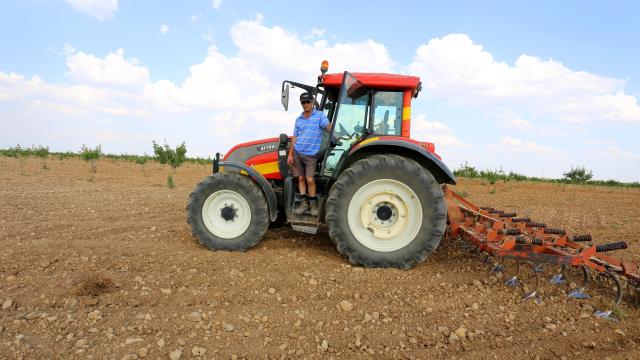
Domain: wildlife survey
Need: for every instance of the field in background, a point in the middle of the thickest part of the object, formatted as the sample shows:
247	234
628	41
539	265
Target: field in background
104	266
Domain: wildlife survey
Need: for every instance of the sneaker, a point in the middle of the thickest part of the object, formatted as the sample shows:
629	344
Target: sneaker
301	207
313	207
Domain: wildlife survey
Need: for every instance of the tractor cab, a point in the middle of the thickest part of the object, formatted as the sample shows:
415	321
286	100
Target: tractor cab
361	107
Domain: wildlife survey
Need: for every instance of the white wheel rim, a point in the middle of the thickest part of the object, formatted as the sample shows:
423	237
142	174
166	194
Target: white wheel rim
235	204
401	215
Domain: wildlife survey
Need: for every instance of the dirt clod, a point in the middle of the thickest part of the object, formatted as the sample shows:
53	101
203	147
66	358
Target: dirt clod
95	286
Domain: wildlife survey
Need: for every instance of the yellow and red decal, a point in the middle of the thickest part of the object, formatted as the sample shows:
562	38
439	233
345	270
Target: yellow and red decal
266	164
406	114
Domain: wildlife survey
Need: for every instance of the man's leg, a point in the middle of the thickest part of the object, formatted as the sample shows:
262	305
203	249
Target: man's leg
301	206
311	184
302	187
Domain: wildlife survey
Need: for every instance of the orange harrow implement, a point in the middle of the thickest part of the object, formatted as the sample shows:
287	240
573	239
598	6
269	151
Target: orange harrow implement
522	249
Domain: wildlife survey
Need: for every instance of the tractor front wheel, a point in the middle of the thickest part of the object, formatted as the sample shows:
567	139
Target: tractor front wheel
228	211
386	211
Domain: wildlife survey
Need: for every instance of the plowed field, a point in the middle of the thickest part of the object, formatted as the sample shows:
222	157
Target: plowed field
106	268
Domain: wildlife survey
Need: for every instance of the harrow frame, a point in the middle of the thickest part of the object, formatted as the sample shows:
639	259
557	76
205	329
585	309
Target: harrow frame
505	236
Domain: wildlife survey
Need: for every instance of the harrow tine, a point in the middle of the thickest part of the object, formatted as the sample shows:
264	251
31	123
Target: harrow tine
558	279
532	295
606	315
498	268
538	268
579	294
512	281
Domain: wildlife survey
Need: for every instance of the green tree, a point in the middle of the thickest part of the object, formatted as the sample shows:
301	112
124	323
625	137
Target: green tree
173	157
91	156
142	160
43	153
467	171
18	153
578	175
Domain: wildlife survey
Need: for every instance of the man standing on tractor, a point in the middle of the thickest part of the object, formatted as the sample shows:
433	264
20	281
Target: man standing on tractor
303	154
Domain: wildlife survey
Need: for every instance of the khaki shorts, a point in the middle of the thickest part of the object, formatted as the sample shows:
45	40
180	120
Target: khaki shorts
304	165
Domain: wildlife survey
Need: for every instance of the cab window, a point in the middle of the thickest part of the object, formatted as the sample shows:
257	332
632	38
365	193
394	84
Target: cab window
387	113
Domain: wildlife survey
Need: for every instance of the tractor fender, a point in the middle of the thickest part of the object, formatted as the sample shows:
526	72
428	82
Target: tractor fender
260	180
404	148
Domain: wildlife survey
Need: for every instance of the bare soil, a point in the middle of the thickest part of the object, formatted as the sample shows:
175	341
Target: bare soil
105	266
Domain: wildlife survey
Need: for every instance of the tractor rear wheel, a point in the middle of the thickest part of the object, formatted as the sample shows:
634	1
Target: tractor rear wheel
228	211
386	211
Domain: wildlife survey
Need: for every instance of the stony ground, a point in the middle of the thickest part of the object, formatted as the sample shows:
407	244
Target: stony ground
105	267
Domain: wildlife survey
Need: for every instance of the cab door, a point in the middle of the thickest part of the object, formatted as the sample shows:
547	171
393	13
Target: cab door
350	122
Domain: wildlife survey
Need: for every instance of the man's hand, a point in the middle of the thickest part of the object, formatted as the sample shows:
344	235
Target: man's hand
290	159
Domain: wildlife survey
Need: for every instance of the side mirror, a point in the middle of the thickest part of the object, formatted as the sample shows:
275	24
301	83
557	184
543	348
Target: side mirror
285	98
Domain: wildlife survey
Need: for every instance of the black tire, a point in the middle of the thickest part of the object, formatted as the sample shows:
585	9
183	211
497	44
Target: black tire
410	174
245	187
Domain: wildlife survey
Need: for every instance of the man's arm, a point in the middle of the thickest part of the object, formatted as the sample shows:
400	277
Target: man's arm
290	157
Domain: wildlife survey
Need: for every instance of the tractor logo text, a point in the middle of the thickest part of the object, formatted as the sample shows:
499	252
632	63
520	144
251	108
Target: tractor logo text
267	147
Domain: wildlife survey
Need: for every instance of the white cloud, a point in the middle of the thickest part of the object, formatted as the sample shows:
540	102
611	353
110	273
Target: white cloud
513	146
456	69
216	4
112	70
511	119
315	33
196	18
288	55
434	131
100	9
164	28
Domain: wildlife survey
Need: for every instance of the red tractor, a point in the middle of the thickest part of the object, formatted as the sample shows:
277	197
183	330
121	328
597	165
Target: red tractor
380	192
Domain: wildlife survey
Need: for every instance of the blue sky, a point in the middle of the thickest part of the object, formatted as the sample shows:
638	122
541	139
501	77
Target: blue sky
534	87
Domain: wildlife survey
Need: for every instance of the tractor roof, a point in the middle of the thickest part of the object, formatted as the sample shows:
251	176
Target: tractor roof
377	80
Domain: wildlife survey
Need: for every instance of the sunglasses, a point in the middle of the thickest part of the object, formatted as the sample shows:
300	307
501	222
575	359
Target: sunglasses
305	102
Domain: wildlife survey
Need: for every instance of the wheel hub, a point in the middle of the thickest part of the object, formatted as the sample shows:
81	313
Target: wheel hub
385	211
228	212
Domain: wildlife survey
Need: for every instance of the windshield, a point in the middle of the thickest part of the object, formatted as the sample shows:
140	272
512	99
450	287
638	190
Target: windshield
349	124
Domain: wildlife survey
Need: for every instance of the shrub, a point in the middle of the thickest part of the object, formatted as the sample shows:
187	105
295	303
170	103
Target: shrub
43	153
18	153
578	175
142	160
466	170
173	157
91	156
166	155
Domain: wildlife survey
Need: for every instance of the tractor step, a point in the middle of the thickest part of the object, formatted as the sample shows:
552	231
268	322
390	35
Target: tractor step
305	223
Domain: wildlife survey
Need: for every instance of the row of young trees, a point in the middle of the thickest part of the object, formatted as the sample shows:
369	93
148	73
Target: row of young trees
164	154
575	175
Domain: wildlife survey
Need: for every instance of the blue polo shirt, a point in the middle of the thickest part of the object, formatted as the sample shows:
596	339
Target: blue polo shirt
308	132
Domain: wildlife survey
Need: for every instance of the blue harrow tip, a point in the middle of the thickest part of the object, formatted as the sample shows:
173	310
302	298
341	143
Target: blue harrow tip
579	294
558	279
602	314
498	268
513	282
532	296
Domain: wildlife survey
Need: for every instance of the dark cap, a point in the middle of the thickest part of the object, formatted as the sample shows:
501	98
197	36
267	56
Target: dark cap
306	97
